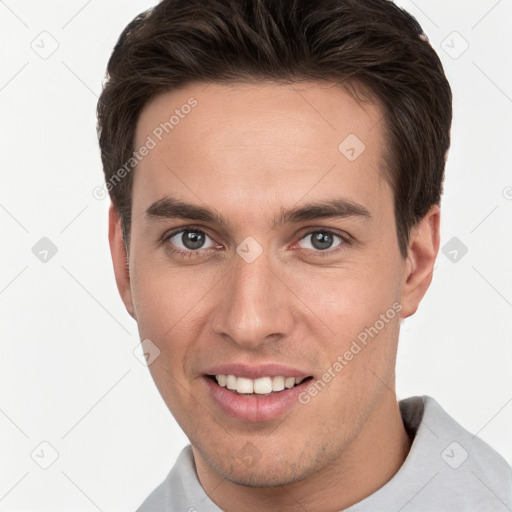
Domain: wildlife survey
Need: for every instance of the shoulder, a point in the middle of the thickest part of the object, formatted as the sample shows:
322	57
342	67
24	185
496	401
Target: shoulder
464	469
159	499
181	490
446	469
469	447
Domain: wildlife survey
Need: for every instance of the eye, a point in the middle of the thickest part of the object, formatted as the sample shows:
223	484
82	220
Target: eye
321	240
188	240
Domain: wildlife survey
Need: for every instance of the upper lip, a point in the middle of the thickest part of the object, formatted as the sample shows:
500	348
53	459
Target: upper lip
255	371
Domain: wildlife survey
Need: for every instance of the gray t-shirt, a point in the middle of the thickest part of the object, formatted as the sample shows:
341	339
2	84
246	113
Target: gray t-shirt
447	469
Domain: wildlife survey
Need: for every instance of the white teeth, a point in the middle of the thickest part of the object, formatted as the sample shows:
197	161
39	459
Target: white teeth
289	382
278	384
261	386
231	382
244	385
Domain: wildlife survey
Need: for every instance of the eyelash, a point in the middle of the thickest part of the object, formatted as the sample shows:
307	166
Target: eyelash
345	240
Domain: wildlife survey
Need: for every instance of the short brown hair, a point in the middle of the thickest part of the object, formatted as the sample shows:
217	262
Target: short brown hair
368	45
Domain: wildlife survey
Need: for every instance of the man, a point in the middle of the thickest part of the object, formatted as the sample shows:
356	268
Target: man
276	170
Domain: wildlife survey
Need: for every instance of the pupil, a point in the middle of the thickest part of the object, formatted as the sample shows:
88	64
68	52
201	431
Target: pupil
322	240
193	239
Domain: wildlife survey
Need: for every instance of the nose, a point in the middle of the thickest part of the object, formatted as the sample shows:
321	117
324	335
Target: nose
256	306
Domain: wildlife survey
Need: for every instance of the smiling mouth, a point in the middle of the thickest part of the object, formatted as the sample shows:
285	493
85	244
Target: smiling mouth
257	387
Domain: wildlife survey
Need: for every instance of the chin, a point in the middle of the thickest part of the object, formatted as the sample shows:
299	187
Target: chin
266	472
259	479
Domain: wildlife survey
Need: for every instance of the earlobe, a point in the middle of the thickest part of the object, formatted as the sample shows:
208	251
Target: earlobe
419	265
120	259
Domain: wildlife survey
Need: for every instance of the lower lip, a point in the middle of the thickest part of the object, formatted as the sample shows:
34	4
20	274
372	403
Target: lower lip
254	408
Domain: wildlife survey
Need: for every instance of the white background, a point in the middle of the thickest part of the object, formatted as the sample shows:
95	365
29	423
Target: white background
68	375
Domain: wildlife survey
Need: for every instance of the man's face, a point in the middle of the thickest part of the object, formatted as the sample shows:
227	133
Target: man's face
277	287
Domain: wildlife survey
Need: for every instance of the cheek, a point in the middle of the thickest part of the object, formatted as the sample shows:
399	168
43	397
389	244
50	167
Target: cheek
166	308
164	297
362	312
350	298
359	304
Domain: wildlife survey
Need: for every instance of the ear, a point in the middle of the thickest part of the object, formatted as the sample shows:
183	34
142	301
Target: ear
120	259
419	265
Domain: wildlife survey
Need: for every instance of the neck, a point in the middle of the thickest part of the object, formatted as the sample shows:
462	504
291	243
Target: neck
364	466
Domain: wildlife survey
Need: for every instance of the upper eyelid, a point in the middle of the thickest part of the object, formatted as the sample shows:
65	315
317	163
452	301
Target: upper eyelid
345	239
341	234
172	233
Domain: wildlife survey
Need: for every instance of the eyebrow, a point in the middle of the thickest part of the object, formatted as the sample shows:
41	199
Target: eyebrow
335	208
171	208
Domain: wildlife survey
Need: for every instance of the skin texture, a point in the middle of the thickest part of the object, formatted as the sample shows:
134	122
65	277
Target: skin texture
248	151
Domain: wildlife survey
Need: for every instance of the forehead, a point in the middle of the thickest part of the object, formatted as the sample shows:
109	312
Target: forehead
260	144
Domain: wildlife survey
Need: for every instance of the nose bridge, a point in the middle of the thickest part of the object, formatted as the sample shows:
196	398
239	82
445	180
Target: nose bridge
254	304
